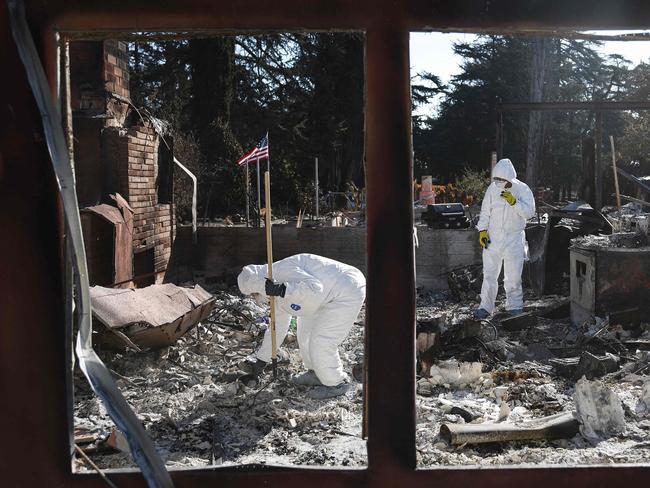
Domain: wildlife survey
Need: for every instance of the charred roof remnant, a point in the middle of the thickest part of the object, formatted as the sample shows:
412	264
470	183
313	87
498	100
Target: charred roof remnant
151	317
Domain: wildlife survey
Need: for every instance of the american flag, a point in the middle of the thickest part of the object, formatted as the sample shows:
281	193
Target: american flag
260	151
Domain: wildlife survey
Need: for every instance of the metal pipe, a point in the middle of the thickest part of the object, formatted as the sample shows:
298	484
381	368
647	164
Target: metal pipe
194	197
560	426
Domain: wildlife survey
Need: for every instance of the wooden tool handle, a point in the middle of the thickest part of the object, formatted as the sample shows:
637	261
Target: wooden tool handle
269	257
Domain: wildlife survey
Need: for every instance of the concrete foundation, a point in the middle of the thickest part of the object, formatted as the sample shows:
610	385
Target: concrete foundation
221	252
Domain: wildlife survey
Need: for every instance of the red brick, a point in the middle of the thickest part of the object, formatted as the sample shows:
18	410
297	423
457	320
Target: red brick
133	145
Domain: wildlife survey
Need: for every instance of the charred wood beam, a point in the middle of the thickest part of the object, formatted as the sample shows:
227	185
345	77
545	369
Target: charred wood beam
572	106
634	180
390	311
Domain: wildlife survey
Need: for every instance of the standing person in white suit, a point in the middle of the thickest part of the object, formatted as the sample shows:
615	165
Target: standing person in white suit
507	205
326	297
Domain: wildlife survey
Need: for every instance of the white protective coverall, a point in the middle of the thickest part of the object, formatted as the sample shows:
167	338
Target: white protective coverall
505	224
324	295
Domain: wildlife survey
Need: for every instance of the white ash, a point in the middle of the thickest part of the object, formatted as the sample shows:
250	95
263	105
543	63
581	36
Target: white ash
198	414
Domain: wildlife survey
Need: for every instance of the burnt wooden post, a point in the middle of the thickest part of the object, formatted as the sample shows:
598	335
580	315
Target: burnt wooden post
598	173
390	306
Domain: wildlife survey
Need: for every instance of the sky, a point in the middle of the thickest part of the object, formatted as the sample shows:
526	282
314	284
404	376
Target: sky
433	52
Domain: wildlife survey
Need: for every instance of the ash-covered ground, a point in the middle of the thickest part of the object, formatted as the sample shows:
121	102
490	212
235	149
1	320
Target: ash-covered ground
518	384
198	413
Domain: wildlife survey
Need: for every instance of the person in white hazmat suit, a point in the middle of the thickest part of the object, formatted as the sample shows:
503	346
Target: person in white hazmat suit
507	205
326	297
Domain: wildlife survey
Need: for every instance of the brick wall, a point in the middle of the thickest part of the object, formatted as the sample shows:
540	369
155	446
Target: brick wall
153	222
129	153
164	233
142	146
116	68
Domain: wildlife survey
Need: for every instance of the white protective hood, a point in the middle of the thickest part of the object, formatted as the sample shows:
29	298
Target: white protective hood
504	170
251	279
497	216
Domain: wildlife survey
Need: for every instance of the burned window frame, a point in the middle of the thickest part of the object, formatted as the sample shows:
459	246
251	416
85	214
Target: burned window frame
390	347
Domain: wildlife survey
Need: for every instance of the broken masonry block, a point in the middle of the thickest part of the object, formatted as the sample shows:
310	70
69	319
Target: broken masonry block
588	365
591	366
599	410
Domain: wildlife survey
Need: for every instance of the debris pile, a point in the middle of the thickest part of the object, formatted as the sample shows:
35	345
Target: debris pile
198	413
530	389
465	282
630	218
625	240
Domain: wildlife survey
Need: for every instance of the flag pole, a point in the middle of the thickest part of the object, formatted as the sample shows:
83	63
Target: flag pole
316	185
268	153
269	257
259	196
247	190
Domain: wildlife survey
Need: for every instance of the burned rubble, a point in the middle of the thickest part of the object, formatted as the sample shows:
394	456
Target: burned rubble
197	411
531	389
537	387
523	390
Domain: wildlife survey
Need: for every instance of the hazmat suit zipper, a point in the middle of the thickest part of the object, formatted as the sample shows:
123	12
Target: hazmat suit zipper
503	215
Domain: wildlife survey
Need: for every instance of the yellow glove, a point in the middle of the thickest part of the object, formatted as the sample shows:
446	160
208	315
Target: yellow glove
483	238
508	197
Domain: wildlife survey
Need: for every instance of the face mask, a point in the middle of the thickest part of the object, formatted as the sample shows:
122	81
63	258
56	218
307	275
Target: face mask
501	184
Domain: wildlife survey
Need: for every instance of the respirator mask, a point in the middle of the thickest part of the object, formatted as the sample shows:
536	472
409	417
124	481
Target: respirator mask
501	184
